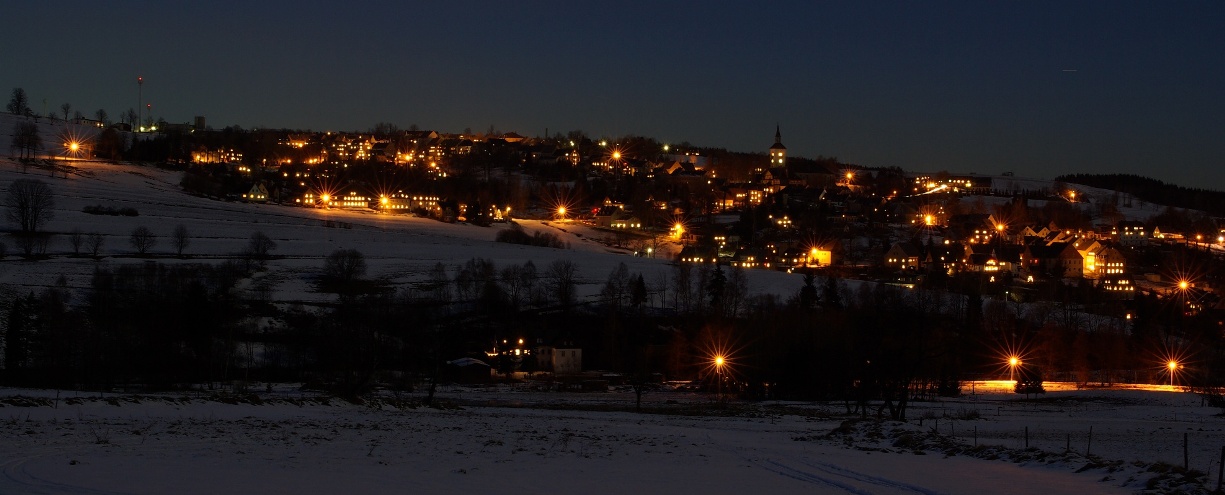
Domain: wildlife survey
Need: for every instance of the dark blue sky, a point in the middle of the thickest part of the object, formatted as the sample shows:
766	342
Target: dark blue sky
1035	88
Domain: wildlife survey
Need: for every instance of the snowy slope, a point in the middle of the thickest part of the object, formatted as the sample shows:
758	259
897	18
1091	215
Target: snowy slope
399	248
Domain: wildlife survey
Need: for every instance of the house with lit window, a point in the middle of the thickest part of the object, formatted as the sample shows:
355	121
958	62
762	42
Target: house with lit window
402	202
904	256
562	360
948	257
351	199
626	223
692	254
257	194
1130	233
1058	259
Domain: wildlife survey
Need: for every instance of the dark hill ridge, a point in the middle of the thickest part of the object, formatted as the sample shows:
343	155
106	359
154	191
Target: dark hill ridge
1154	191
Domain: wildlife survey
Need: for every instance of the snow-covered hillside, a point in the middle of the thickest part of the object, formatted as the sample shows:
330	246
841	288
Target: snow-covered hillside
398	248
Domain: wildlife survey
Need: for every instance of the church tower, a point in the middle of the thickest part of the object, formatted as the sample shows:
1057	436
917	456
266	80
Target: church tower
778	152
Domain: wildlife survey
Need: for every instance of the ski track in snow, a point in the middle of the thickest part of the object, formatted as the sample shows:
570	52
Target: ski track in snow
18	480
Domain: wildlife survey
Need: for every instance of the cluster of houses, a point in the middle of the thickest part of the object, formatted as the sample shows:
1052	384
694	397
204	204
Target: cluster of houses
982	244
784	190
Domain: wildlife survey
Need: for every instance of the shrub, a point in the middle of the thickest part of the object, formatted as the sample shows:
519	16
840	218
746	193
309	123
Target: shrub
110	210
516	235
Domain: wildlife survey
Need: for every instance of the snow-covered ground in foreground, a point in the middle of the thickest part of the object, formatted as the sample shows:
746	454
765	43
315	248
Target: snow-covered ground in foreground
293	444
515	440
398	248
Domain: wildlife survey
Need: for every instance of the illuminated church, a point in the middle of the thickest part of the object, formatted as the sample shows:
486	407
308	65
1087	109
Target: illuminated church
778	152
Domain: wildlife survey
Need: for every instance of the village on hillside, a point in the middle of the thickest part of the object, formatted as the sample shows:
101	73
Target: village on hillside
1011	237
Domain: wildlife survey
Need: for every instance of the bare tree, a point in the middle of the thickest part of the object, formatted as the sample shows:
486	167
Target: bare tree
180	239
102	117
77	239
438	283
260	246
32	243
26	139
94	243
562	277
343	268
142	240
19	104
29	204
67	107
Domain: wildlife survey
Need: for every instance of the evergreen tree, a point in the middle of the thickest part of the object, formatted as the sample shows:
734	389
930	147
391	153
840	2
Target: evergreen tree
808	293
638	291
830	293
715	287
18	336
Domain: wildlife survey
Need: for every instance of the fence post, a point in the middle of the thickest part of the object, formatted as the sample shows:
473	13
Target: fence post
1089	447
1026	437
1220	470
1185	463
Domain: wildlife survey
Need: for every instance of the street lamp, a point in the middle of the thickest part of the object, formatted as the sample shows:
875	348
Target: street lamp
561	212
1013	362
1173	367
719	362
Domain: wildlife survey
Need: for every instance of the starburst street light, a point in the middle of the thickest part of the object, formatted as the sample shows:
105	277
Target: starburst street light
1013	362
1173	366
72	148
719	361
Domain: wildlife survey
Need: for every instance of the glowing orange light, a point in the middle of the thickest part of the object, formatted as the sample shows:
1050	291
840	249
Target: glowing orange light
561	210
928	220
719	361
616	155
1172	365
326	198
1183	284
1013	361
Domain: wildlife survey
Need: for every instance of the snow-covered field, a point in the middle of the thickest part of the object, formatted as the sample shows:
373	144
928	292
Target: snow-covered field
514	440
398	248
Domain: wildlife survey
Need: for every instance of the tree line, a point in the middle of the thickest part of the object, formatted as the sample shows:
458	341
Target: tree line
1155	191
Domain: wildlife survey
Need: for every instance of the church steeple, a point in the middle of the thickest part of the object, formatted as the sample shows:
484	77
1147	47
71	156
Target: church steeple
778	152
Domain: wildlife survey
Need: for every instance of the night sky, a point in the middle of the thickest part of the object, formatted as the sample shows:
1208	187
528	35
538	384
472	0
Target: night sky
1035	88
